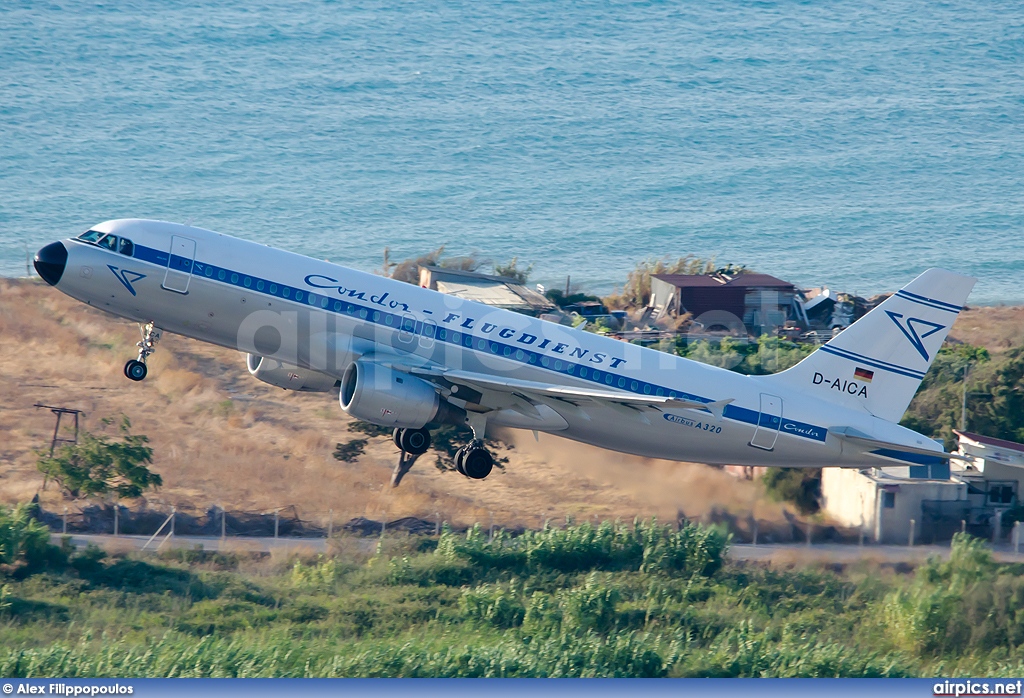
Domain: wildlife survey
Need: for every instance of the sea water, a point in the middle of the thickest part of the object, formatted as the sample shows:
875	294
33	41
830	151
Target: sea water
848	143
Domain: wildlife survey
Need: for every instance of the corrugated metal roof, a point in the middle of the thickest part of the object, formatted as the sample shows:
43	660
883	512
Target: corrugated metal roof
499	291
483	291
990	441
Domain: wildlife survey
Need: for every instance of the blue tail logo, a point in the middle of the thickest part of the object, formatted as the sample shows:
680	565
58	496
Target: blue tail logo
126	277
911	328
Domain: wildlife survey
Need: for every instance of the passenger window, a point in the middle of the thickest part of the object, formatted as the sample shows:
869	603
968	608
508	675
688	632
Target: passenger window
90	236
108	241
127	247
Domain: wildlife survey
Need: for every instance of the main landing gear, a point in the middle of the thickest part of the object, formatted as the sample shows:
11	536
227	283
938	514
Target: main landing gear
474	461
136	369
412	443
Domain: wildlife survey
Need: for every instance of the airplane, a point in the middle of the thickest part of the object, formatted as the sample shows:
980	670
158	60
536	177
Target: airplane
412	359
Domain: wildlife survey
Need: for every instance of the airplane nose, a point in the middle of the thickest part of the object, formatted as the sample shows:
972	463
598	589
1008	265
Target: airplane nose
50	262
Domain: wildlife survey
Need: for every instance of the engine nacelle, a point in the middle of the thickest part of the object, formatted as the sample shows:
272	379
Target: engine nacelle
287	376
386	397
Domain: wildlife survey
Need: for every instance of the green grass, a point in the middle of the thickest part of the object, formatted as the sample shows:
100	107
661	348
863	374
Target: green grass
615	600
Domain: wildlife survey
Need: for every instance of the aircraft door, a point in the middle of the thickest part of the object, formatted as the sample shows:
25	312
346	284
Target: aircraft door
768	423
179	264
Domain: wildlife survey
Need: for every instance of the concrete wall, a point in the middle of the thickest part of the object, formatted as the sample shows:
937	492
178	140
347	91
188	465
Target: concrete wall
848	497
855	499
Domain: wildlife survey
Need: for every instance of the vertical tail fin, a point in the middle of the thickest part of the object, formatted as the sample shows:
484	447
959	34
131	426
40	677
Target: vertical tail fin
877	363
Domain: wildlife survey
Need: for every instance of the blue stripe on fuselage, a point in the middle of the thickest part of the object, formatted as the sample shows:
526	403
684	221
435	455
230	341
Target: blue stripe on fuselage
396	321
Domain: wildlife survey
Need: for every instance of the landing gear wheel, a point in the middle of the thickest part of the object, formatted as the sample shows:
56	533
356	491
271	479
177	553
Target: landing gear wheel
135	370
477	463
414	441
460	457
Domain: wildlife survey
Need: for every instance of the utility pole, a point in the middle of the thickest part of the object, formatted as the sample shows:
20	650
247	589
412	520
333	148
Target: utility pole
57	438
963	401
60	412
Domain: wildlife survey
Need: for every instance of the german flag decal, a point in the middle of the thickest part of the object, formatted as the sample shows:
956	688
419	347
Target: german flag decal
862	374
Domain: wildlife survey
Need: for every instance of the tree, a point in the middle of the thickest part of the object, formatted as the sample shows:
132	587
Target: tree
97	464
800	487
512	270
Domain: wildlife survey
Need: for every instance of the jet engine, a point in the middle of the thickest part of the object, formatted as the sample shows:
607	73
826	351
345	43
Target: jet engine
287	376
386	397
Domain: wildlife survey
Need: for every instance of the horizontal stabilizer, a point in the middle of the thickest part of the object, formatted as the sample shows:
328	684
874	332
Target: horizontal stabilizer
889	450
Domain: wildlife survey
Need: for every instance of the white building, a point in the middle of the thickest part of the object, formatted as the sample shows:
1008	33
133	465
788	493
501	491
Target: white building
939	500
882	502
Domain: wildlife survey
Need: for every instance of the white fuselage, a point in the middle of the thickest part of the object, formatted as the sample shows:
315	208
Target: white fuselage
246	296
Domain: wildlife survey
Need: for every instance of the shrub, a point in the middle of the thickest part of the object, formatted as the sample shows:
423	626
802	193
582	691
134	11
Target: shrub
963	604
744	652
590	607
350	452
693	549
428	570
320	575
499	605
25	543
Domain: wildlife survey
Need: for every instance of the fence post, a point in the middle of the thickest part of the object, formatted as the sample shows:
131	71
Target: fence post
860	540
1016	536
755	531
913	524
65	531
490	537
810	527
437	523
116	518
330	522
276	519
174	510
997	526
223	523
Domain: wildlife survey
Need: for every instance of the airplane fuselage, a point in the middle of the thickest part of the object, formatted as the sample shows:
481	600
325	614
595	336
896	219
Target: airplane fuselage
254	298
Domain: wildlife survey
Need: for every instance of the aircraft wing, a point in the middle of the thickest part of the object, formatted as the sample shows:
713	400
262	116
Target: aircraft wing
551	393
889	450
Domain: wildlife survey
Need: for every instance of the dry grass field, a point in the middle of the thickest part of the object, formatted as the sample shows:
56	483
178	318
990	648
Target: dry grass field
222	437
997	328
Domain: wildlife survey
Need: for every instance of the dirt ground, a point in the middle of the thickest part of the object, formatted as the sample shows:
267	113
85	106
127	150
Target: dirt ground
222	438
997	328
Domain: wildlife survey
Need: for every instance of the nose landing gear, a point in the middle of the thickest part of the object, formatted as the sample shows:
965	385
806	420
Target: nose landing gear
136	369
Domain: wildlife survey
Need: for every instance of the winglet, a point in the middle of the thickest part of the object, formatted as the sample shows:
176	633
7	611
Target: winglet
717	408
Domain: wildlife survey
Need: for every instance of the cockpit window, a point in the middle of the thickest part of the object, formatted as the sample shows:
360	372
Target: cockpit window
90	235
126	247
108	241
